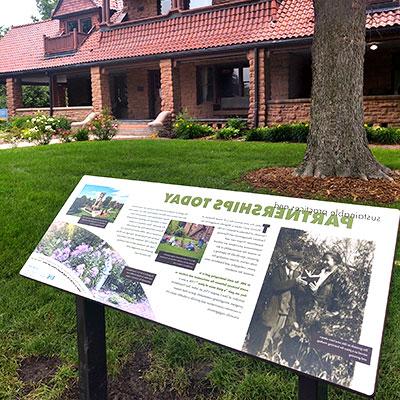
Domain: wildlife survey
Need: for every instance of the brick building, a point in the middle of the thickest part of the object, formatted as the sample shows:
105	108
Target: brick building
213	58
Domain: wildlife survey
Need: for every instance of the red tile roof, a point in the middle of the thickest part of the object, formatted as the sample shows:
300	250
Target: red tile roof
241	23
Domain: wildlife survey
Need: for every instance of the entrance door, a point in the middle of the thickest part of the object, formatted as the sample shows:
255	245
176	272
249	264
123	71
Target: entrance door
154	78
120	97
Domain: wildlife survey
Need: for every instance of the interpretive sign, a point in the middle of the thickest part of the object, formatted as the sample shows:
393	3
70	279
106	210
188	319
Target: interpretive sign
300	283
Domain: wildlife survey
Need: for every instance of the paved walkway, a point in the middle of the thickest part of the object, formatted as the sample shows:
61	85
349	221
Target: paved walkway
4	146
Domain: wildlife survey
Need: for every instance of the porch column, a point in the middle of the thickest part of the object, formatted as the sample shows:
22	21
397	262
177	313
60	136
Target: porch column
257	91
169	87
14	95
101	98
59	99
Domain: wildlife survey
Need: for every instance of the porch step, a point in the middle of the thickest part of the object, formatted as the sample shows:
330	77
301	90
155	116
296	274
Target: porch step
133	129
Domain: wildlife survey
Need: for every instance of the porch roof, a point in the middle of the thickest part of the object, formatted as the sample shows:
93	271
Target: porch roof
237	23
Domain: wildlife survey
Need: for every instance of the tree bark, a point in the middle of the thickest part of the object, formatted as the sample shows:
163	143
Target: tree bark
337	143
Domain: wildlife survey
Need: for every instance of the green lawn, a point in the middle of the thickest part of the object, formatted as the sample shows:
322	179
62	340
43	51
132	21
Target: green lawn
39	320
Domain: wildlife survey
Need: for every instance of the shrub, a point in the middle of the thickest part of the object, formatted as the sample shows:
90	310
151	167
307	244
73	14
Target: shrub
280	133
19	123
103	126
380	135
185	128
66	136
227	133
237	123
82	134
42	129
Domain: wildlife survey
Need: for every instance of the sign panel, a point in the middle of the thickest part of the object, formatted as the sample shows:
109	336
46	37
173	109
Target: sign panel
300	283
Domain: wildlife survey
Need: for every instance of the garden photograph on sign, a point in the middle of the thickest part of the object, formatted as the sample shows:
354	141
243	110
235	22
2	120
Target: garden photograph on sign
200	199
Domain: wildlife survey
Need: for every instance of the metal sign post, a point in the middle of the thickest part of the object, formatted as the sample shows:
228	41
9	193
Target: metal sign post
312	389
91	349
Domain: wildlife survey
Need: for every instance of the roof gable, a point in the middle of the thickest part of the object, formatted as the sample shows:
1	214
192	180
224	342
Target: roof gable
65	7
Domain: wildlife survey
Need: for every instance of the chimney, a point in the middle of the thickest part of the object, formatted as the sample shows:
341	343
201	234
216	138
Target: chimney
105	12
273	9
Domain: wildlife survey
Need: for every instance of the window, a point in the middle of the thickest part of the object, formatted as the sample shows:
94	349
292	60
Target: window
235	81
205	84
86	25
71	25
198	3
373	4
165	6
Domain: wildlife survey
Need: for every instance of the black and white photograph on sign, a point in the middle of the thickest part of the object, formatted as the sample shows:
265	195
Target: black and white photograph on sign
92	260
100	202
310	310
185	239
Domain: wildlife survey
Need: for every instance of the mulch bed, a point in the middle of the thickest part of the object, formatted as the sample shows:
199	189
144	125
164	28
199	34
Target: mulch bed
282	181
37	370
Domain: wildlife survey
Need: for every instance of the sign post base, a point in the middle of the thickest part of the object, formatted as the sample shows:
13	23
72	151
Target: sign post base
92	350
312	389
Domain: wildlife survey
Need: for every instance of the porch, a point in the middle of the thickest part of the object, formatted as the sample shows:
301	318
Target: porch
264	86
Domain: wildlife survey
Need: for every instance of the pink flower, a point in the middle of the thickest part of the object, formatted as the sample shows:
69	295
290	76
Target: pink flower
87	281
94	271
80	268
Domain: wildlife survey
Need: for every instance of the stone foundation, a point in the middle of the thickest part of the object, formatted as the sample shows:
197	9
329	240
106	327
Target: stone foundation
382	110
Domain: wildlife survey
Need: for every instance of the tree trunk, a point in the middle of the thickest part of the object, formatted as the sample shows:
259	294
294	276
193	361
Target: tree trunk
337	144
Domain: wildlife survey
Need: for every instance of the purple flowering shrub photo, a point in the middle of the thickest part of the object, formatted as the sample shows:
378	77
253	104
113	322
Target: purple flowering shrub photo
93	261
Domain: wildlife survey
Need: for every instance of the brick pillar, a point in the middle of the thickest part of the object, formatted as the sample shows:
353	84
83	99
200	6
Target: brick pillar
262	88
169	87
101	98
14	95
262	92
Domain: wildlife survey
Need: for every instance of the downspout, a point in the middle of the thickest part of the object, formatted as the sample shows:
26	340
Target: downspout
51	90
268	88
256	87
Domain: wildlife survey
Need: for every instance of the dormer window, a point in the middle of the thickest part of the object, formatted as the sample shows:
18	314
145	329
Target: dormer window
83	25
86	25
72	25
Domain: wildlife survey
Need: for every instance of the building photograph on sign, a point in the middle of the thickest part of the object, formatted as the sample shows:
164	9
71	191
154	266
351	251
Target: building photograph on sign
200	199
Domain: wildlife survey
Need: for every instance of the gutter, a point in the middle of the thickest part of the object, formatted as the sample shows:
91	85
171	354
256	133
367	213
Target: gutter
270	44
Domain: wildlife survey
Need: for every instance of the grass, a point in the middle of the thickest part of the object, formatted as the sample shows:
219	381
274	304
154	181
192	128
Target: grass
39	320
